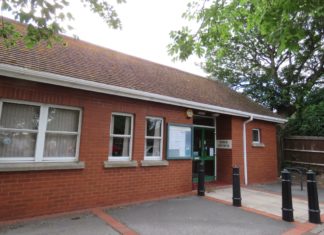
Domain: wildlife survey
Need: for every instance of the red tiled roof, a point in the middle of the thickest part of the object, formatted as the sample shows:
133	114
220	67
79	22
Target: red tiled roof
86	61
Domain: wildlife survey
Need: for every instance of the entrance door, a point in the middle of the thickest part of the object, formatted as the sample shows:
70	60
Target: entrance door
204	149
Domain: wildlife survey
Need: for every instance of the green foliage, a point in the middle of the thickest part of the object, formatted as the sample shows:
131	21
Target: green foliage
273	50
315	97
310	120
309	123
46	19
9	34
286	21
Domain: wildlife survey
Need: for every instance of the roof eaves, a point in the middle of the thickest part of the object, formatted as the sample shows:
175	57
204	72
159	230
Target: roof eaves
56	79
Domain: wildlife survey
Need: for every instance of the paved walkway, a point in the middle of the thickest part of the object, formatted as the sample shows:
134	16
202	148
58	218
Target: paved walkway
295	190
270	203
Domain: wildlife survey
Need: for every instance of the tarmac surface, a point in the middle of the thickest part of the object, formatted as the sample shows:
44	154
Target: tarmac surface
260	214
76	224
195	215
182	215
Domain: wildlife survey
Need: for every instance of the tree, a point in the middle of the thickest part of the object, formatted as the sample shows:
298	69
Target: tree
46	19
273	51
310	120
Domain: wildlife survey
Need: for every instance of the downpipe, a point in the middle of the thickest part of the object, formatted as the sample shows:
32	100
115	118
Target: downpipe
244	150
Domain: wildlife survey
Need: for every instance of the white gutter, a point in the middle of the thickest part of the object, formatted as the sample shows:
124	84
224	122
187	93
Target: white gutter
60	80
244	150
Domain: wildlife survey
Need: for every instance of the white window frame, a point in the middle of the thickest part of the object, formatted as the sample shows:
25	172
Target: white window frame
154	137
259	136
41	133
112	135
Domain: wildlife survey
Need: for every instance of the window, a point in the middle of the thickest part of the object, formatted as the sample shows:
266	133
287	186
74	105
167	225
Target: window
121	135
153	138
37	133
256	136
61	133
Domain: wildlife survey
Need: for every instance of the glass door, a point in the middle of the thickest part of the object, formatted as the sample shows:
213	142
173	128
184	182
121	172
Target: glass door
204	149
198	143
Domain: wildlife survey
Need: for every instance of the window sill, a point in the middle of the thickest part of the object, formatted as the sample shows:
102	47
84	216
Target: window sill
40	166
154	163
119	164
258	145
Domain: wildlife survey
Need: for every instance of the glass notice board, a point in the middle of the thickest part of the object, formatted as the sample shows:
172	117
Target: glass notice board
179	141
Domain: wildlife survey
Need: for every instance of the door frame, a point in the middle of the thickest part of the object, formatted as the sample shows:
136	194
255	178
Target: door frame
215	142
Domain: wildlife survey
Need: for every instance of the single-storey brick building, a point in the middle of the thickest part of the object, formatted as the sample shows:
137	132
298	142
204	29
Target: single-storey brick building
84	126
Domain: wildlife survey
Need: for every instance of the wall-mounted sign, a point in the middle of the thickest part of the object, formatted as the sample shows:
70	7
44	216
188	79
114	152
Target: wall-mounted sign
224	144
179	141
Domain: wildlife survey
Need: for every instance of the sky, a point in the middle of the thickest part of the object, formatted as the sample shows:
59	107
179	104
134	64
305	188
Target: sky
146	25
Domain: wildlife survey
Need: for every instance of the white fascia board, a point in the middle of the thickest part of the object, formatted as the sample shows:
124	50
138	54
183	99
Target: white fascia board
60	80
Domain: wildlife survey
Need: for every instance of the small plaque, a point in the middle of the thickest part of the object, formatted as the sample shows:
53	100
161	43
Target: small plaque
224	144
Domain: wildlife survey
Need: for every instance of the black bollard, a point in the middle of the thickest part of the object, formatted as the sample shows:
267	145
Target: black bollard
201	178
314	215
287	207
236	187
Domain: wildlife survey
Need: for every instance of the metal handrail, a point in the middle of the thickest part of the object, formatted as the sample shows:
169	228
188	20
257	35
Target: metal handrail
301	171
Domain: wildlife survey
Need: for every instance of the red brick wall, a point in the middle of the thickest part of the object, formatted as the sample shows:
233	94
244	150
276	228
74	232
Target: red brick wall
26	194
237	145
224	156
262	161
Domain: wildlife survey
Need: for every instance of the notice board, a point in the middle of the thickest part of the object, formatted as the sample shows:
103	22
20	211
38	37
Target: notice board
179	141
